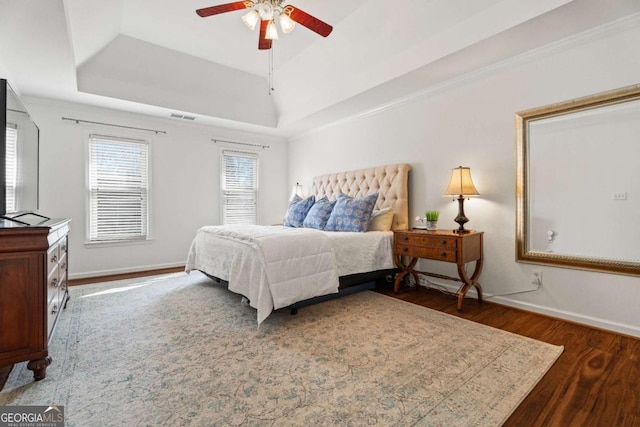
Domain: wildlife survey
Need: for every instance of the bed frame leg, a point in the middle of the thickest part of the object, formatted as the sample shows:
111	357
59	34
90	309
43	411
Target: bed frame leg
294	310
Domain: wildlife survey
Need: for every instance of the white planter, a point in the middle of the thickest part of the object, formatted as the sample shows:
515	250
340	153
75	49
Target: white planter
432	225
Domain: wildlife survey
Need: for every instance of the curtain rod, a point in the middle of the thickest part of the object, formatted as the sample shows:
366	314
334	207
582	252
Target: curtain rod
239	143
114	125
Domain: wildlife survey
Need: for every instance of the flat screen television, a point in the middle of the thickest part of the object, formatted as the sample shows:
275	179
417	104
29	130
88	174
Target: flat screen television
19	163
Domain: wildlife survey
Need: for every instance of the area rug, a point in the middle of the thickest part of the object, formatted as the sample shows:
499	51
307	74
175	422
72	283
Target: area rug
180	350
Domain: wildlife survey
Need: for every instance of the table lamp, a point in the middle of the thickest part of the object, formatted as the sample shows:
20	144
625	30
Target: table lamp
296	191
461	185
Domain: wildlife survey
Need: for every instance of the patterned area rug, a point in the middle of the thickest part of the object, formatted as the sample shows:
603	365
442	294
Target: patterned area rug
181	350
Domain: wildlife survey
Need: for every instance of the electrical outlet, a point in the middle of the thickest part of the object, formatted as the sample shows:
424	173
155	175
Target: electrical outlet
536	277
620	196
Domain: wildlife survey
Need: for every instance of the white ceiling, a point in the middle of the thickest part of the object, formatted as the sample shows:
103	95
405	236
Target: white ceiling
157	56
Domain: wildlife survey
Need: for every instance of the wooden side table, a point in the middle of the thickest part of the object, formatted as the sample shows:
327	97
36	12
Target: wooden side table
439	245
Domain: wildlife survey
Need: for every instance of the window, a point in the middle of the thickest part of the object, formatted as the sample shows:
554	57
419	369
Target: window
239	187
118	189
11	166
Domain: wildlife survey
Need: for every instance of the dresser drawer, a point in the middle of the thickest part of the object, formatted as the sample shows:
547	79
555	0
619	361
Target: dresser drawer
53	255
62	245
53	283
427	240
427	252
52	313
63	276
62	262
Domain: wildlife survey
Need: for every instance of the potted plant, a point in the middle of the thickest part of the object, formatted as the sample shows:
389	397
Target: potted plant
432	219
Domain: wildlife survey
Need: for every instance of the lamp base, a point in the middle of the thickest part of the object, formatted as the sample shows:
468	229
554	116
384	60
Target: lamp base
464	230
461	218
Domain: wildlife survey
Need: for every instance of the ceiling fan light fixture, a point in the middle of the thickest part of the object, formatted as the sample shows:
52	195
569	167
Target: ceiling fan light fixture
251	19
286	23
272	31
265	10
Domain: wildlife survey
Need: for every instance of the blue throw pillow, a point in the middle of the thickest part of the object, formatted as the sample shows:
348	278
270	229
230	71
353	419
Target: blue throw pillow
297	211
319	214
351	214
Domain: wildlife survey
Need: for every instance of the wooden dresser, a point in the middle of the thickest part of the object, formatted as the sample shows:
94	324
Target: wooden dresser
33	290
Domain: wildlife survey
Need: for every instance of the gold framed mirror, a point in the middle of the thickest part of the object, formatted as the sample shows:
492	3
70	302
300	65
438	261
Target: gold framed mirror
578	183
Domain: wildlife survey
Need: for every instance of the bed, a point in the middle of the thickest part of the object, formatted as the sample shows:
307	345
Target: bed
277	266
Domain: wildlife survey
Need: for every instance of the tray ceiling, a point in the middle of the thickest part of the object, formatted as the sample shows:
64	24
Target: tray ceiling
157	56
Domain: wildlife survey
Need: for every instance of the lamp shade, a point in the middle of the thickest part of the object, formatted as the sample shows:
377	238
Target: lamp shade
272	31
461	183
287	24
251	19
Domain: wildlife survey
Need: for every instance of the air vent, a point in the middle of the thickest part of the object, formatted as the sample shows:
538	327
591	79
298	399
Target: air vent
182	116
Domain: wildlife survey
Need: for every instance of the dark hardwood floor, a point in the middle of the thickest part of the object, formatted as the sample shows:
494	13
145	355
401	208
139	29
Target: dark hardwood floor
595	382
123	276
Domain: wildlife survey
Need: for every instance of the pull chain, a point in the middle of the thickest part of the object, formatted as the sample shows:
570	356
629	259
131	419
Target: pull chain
271	73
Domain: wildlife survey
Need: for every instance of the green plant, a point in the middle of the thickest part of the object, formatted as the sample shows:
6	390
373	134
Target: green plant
432	215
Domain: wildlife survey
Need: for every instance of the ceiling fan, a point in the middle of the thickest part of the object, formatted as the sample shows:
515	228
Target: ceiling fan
265	12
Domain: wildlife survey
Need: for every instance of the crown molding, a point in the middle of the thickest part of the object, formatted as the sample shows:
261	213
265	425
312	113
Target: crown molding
618	26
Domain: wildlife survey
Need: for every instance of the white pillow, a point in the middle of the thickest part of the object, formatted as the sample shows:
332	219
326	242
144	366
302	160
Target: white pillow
381	220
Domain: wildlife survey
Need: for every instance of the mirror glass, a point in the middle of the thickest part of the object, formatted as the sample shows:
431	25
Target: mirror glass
578	184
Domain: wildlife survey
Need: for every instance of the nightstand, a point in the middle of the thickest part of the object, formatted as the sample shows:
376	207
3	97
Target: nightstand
439	245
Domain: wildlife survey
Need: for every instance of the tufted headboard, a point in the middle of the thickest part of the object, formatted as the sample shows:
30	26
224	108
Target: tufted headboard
390	182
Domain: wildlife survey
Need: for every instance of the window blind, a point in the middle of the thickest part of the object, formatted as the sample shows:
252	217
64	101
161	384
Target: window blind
239	187
118	189
11	161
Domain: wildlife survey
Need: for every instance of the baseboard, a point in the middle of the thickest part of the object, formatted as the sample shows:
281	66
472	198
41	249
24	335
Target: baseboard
123	271
568	316
593	322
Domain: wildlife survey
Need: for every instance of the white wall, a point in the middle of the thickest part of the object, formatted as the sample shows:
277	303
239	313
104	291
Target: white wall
470	122
185	179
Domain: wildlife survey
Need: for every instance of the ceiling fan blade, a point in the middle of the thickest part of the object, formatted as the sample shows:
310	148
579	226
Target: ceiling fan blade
311	22
263	42
222	8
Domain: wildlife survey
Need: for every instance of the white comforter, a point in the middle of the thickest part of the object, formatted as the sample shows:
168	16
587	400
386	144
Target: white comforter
273	266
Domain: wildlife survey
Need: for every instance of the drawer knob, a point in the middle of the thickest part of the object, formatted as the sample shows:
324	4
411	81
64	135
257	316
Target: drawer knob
405	249
405	237
443	242
443	254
